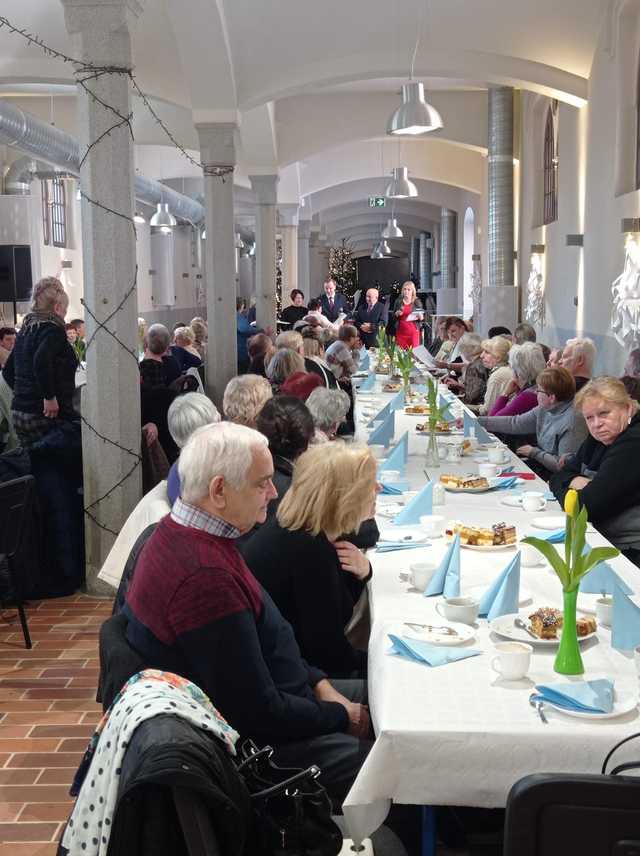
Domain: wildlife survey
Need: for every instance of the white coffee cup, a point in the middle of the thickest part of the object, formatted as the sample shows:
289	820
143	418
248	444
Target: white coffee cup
420	574
513	659
498	455
463	609
378	450
529	556
604	611
532	501
433	524
489	471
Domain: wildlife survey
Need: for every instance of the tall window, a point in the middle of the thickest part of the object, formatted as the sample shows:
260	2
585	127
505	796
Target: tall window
550	210
638	129
54	212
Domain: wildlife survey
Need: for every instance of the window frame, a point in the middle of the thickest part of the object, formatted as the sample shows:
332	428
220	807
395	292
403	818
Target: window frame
46	210
58	207
550	172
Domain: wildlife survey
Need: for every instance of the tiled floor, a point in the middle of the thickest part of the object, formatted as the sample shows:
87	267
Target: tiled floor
47	714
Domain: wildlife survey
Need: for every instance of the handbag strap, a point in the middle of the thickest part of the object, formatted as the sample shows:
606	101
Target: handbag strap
309	774
621	767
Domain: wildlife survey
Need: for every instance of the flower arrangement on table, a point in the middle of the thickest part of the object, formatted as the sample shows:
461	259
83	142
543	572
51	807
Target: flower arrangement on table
570	571
405	367
435	416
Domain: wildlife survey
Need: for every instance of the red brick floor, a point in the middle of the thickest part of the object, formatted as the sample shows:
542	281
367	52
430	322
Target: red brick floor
47	714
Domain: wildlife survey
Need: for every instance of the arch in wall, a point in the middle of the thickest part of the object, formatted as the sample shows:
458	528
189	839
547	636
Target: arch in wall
468	249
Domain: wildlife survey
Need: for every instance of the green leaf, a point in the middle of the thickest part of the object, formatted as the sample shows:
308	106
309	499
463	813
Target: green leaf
598	554
551	555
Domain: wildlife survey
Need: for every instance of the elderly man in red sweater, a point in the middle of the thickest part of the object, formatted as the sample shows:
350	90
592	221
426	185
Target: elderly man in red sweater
194	608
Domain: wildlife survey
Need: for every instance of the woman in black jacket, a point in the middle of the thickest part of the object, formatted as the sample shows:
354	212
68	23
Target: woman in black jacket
605	469
41	368
315	577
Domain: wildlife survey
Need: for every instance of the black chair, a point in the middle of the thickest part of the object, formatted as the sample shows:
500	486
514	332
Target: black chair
582	814
119	661
16	497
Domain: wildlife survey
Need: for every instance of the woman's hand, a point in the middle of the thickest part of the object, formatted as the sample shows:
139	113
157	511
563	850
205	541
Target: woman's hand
398	313
579	482
51	408
524	451
150	432
351	559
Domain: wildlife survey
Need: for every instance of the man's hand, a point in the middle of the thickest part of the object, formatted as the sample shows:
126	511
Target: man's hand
579	482
359	720
51	407
524	451
351	559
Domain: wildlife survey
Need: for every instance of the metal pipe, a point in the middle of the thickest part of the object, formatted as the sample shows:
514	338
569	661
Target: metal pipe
500	186
448	229
426	273
415	257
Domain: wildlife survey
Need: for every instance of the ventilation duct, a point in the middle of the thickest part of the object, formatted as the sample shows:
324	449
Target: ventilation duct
500	189
47	143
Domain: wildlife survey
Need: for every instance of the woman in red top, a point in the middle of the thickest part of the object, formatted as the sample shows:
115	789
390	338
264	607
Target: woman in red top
408	332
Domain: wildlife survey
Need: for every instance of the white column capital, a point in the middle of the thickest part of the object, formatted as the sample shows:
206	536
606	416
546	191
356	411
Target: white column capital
217	143
287	214
265	188
98	23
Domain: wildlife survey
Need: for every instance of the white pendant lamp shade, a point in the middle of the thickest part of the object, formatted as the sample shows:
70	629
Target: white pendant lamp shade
414	116
392	230
377	254
384	248
138	217
203	234
163	217
239	242
400	187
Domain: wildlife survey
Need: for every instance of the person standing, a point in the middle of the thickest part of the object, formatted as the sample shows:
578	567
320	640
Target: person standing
332	304
409	313
369	317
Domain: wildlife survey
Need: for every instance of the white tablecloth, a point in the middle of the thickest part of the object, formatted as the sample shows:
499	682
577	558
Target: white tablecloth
458	734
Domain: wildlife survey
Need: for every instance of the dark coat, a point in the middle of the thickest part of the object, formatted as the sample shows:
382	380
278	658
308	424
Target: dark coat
374	316
42	365
339	305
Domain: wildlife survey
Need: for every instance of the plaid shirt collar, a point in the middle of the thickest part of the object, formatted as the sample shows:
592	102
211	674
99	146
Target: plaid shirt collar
196	518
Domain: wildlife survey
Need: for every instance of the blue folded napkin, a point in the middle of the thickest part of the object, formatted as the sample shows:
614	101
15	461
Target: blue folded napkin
503	483
394	489
583	696
550	496
383	434
363	365
446	579
422	503
625	622
557	536
430	655
390	546
397	457
482	435
444	404
503	595
601	579
367	384
397	402
381	415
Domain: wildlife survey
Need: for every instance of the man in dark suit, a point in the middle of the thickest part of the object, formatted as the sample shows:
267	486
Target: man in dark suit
368	317
332	304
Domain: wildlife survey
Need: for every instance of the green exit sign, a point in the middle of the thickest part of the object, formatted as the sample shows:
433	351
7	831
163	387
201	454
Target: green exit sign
377	202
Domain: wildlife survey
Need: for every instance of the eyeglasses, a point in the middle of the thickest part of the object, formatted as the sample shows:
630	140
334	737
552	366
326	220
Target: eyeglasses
543	391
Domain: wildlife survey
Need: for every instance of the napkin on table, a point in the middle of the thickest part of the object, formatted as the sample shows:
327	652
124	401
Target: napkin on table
363	365
583	696
394	489
503	483
367	384
391	546
431	655
446	579
502	597
397	402
383	434
557	536
602	578
381	415
422	503
397	457
625	622
482	435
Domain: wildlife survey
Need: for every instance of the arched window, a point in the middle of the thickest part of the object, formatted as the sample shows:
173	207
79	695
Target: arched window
550	171
638	128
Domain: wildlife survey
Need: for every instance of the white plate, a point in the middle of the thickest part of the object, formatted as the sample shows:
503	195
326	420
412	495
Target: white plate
514	501
390	510
477	592
623	702
549	522
489	548
465	633
505	627
399	533
467	489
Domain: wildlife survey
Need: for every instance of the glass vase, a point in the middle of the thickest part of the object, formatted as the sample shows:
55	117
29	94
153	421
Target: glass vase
407	389
568	659
432	459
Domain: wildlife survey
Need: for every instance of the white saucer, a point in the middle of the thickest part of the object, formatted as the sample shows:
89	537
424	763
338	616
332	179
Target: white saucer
465	633
624	701
554	522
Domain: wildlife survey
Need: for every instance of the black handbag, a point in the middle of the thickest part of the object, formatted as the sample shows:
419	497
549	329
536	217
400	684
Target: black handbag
291	809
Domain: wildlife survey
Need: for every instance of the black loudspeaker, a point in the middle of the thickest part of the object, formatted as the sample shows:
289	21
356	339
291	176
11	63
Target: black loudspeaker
16	281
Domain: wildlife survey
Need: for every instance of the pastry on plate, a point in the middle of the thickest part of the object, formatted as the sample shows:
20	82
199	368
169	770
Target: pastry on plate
545	622
463	482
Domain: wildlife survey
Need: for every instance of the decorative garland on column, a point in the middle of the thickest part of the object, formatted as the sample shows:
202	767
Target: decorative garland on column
534	310
625	290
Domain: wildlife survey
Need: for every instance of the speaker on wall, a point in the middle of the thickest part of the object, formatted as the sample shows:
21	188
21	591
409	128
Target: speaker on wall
16	281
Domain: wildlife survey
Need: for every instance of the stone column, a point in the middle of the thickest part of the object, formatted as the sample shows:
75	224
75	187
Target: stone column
448	239
111	398
218	156
264	187
304	234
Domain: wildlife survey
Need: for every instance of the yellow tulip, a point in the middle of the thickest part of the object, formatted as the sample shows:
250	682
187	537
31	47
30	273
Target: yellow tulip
571	502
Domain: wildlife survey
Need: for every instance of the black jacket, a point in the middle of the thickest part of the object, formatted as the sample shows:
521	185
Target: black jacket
303	575
615	473
376	316
339	305
42	365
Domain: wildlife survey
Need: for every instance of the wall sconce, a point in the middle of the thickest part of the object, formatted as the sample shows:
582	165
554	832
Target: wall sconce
625	289
535	308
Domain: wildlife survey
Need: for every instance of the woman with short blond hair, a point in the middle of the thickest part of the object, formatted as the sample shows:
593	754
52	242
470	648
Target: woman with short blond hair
244	397
606	470
494	356
315	577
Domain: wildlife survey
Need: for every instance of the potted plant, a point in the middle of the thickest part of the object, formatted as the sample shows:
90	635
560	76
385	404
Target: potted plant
436	414
570	571
405	367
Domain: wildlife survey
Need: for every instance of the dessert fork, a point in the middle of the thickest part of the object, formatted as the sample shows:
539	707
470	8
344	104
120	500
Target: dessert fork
446	631
519	623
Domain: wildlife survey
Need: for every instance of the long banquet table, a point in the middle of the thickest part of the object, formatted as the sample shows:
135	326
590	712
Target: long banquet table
458	734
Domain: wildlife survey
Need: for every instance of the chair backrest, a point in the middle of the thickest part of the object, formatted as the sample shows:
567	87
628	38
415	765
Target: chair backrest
119	661
562	813
15	500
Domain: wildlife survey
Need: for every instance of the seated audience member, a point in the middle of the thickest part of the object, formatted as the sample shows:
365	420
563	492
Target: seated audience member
369	317
300	385
8	438
293	339
297	310
455	329
603	469
554	360
282	365
72	334
201	333
260	349
315	577
244	397
546	352
524	333
329	408
80	345
441	345
342	356
315	318
7	341
495	353
187	413
558	428
499	331
184	349
472	385
526	362
631	367
158	368
194	608
313	346
579	357
632	385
